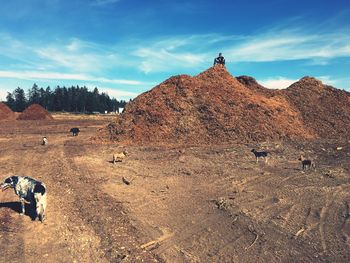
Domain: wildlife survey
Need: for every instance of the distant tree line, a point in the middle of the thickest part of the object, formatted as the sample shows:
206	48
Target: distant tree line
72	99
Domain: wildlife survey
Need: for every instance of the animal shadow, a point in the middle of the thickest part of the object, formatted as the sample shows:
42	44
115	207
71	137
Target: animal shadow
16	206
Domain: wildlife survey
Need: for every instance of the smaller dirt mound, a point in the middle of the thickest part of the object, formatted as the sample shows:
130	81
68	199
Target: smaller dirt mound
35	112
6	113
324	109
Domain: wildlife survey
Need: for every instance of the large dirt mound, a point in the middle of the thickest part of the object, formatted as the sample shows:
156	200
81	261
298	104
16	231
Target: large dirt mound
35	112
6	113
213	107
324	109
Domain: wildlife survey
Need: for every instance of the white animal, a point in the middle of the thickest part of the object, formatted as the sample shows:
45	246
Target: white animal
118	157
45	141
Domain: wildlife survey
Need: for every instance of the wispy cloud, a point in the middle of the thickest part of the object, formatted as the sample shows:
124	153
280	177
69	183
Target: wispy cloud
291	45
278	45
81	62
155	60
172	53
33	75
73	55
175	52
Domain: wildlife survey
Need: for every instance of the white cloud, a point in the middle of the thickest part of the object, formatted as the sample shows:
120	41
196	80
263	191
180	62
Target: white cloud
3	94
74	55
81	62
163	60
33	75
277	83
119	94
290	45
278	45
168	54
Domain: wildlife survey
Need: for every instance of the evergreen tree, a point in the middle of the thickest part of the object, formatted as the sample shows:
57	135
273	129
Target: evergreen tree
10	101
48	99
34	95
96	100
72	99
20	100
58	99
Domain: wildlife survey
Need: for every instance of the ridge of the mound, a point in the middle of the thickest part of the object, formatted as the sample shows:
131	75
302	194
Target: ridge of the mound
307	84
35	112
6	113
248	80
252	84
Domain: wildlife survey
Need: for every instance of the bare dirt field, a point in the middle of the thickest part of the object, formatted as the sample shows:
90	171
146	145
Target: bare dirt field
183	204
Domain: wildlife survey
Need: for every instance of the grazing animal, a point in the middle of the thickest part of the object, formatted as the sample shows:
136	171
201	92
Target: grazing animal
75	131
258	155
306	164
29	191
118	157
45	141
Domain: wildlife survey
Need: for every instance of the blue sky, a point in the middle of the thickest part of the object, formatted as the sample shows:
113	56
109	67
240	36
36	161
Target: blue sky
125	47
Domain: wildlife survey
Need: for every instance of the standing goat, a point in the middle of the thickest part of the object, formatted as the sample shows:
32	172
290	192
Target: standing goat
118	157
306	164
258	155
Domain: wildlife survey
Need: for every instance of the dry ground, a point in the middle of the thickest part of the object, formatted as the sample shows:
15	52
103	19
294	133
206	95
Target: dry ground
189	204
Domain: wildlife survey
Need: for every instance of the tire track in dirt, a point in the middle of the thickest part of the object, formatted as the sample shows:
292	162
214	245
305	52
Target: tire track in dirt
12	243
102	212
345	226
55	235
12	224
323	216
333	225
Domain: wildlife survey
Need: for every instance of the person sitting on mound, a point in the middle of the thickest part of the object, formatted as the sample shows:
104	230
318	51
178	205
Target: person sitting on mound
219	60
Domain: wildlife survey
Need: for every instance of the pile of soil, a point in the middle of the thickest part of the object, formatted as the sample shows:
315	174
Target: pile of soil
213	107
6	113
35	112
324	109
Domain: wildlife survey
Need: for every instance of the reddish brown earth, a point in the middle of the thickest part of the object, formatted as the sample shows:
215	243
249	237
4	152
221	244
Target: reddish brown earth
214	107
35	112
6	113
324	109
184	204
